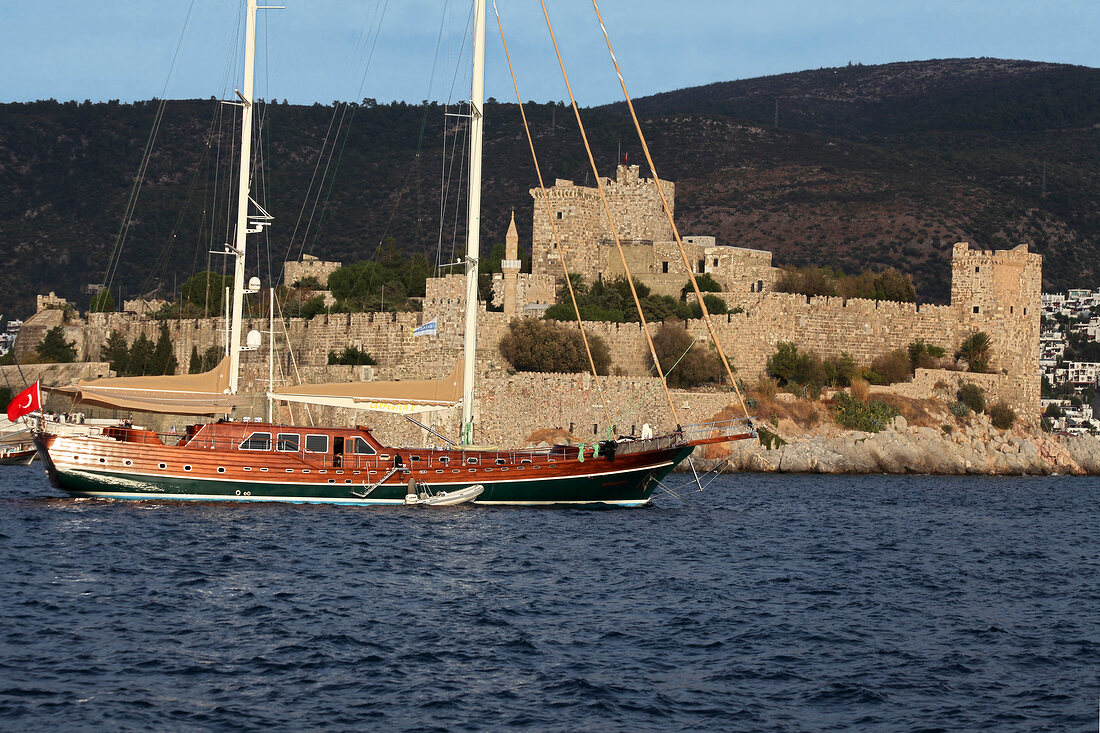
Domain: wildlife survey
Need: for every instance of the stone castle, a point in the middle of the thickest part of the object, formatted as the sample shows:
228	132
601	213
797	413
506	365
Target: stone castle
993	291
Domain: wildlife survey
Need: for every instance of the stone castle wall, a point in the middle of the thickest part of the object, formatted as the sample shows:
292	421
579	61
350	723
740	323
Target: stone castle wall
998	292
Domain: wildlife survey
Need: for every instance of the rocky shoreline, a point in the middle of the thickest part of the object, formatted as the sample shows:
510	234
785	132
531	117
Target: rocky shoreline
975	449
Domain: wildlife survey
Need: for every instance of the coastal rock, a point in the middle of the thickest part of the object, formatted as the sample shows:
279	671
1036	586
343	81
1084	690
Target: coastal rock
976	448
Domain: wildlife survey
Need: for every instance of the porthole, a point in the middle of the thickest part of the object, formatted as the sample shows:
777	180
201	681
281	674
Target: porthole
162	465
423	472
263	470
246	468
332	480
290	470
127	462
221	469
102	460
472	470
187	468
305	470
322	471
504	469
439	470
347	481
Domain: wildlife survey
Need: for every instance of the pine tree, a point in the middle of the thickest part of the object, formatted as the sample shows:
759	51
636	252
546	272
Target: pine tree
116	351
102	302
164	358
141	356
54	349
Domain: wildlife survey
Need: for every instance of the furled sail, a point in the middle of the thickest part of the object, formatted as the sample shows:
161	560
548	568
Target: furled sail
404	396
183	394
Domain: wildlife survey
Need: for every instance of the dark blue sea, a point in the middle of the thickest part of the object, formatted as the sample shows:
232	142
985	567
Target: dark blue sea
788	603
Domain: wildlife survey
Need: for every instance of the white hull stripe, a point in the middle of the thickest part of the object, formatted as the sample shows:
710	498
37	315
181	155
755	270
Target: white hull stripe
316	500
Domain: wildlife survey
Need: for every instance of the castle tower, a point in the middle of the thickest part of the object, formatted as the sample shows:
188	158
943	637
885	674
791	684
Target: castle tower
582	225
510	267
999	292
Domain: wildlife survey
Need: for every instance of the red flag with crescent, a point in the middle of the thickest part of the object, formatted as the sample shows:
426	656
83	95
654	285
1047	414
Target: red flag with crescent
25	402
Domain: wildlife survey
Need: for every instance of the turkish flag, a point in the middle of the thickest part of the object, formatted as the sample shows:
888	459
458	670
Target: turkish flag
26	401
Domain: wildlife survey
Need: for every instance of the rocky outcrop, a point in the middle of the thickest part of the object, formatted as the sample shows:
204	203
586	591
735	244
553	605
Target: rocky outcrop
977	448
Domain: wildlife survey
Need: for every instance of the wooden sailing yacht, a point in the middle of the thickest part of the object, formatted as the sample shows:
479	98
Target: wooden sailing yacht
251	461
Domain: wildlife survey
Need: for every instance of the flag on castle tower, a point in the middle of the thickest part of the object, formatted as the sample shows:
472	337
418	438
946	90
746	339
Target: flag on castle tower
428	329
624	157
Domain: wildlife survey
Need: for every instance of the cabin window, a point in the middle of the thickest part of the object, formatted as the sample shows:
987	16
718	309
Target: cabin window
363	448
500	461
316	444
288	442
444	460
471	461
257	441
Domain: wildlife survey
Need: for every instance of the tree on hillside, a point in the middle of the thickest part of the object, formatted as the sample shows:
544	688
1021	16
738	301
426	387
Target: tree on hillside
205	292
116	352
207	361
164	358
102	302
53	348
141	356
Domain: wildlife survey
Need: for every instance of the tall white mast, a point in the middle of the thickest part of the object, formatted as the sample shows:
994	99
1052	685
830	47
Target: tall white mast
473	221
245	95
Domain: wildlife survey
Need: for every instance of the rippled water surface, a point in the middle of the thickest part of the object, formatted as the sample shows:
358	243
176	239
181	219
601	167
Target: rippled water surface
768	603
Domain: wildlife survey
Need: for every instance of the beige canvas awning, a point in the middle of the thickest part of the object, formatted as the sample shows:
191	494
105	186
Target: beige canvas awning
183	394
404	396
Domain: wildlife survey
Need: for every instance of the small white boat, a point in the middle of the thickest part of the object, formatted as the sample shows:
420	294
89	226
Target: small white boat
421	495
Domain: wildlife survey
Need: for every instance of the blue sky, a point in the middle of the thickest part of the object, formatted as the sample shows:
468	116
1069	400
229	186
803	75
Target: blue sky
317	50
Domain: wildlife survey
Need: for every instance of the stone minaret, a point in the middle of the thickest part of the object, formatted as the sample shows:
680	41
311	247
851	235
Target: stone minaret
510	267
